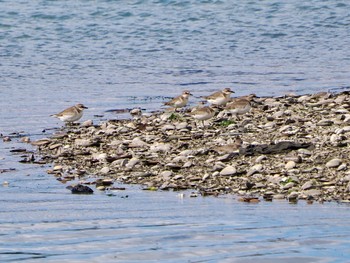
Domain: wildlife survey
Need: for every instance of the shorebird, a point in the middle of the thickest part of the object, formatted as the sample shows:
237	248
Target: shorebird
199	105
202	113
179	101
136	113
71	114
219	98
240	106
229	148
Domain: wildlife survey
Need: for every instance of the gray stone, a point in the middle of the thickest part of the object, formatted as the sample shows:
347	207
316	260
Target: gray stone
325	123
87	123
293	196
313	192
279	196
260	158
105	170
228	170
133	161
288	186
166	175
83	142
333	163
307	185
304	152
255	169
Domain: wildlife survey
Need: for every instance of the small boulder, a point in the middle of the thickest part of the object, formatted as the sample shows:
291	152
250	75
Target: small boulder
80	189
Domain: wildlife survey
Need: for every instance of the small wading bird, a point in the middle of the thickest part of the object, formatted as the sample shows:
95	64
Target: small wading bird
179	101
71	114
136	113
240	106
229	148
219	98
202	113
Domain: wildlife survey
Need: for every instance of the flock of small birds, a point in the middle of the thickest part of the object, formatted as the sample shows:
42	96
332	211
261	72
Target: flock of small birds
218	100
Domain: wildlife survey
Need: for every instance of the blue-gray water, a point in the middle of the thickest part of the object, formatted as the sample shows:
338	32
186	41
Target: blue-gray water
122	54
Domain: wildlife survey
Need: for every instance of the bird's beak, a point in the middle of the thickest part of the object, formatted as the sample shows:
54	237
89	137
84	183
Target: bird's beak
85	107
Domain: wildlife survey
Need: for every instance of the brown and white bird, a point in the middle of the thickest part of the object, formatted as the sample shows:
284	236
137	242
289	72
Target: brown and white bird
229	148
136	113
240	106
199	105
71	114
179	101
219	98
202	113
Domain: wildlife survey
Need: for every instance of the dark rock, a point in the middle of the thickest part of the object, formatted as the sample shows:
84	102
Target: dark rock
28	159
279	147
80	189
20	150
7	170
249	199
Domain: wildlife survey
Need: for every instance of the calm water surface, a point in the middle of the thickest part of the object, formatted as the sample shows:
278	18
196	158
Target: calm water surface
122	54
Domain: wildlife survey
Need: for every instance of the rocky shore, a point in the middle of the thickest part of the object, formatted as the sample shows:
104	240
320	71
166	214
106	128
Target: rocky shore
290	147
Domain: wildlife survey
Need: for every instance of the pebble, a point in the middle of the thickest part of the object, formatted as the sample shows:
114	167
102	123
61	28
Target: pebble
168	127
160	147
290	165
83	142
229	170
58	168
307	185
87	123
132	162
342	167
255	169
325	123
166	175
260	159
99	156
105	170
292	196
313	192
205	177
333	163
6	139
25	139
304	152
181	125
188	164
137	142
288	186
279	196
187	153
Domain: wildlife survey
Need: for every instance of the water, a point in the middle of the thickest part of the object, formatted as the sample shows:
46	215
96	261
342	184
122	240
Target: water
122	54
45	223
